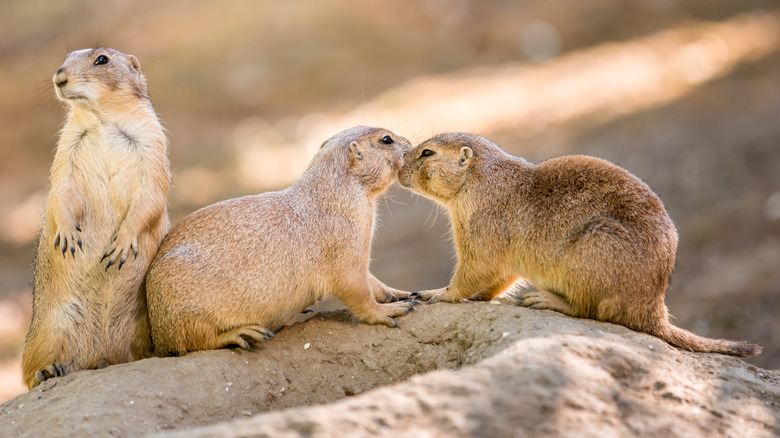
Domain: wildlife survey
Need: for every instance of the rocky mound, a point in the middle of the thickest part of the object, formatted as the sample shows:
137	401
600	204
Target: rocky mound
502	371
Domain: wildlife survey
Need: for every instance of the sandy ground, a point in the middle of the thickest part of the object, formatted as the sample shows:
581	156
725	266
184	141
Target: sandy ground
483	369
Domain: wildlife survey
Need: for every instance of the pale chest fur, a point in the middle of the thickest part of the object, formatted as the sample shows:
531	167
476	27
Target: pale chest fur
106	164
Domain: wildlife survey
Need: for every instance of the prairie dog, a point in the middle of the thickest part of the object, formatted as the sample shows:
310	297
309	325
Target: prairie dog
104	219
591	236
231	273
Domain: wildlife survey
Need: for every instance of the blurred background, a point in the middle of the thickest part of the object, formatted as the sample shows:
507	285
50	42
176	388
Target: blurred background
686	95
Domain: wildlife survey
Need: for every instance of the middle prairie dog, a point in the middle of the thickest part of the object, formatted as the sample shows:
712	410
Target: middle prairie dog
233	272
592	237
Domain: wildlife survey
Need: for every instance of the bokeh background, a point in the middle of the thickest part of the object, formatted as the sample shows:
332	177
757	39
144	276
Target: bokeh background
686	95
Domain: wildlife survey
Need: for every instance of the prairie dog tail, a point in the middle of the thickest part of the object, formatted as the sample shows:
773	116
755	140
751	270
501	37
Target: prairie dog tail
686	340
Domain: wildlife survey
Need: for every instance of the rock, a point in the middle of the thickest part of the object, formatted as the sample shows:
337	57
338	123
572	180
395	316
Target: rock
502	371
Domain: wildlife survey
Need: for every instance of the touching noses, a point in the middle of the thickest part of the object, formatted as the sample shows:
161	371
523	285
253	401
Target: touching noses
60	77
407	151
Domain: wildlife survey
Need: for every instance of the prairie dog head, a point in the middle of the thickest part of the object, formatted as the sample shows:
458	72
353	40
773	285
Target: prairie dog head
438	167
90	76
374	155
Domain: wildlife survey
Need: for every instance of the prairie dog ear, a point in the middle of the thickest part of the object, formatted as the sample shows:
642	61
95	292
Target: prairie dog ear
134	63
356	151
465	155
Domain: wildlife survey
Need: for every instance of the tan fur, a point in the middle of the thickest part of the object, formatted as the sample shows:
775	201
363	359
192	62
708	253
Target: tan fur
104	219
235	271
592	237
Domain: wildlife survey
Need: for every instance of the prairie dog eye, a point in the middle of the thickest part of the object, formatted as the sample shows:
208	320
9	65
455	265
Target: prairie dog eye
387	140
426	153
102	59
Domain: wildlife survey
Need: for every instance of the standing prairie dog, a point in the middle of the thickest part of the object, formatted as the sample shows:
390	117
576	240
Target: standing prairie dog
103	222
592	237
233	272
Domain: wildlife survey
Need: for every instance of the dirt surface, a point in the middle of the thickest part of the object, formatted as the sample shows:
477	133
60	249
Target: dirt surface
502	371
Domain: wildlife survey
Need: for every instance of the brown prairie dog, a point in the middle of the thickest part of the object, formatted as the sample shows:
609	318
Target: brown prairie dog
104	219
233	272
591	236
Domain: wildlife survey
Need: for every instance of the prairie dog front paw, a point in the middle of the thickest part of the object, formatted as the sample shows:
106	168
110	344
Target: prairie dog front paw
68	237
435	296
121	248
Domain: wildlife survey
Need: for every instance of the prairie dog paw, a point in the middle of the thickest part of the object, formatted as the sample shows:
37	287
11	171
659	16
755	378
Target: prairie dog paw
121	248
51	370
393	295
244	336
387	311
543	300
400	295
398	308
537	300
435	296
68	237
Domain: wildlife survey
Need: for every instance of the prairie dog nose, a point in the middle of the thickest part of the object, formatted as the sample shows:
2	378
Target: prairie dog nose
60	77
